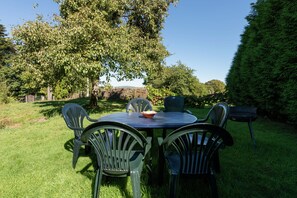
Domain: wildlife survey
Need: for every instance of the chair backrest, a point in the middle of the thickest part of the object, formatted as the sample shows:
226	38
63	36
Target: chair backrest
192	147
115	145
218	114
138	105
174	104
74	116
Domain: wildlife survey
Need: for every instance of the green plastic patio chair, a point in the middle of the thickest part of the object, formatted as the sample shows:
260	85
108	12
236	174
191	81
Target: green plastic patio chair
190	151
138	105
74	116
120	151
174	104
217	115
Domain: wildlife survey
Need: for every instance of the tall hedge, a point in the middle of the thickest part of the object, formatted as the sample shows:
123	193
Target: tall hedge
264	69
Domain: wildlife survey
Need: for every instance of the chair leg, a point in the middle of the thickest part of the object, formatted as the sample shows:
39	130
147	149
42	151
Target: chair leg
97	185
164	133
135	180
213	185
88	149
217	166
252	133
76	146
161	167
173	185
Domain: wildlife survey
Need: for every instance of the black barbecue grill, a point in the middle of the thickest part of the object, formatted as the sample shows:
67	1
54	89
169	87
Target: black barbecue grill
244	114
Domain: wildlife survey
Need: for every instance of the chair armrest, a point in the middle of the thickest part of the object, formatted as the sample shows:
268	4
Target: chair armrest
91	119
75	128
188	111
202	120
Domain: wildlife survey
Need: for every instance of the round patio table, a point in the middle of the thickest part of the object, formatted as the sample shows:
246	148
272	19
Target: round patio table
162	120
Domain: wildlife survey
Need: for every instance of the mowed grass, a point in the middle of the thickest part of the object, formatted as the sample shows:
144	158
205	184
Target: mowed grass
36	156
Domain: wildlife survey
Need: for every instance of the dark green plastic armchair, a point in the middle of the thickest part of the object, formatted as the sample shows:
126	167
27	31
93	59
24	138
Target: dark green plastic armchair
217	115
138	105
74	116
190	151
120	151
174	104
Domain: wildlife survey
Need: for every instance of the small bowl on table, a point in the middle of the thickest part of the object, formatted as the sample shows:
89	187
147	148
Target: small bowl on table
148	114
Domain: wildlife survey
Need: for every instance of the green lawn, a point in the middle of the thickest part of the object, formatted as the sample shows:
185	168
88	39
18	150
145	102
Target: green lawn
36	158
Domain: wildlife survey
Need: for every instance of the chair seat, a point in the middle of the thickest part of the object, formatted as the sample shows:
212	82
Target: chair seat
113	163
174	164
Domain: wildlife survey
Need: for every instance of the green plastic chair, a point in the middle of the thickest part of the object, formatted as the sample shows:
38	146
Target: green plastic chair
190	151
174	104
120	151
138	105
217	115
74	116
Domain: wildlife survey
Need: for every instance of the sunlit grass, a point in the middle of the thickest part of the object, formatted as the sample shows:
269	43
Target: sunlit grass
36	154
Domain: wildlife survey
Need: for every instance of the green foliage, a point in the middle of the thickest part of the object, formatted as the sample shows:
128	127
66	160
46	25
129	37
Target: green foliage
7	76
215	86
4	93
6	48
157	95
94	38
178	79
60	90
206	100
264	69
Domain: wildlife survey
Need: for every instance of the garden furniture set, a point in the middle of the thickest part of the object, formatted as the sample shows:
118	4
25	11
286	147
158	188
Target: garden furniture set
191	147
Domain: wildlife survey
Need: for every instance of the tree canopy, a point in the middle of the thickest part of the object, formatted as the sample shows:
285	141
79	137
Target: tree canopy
215	86
6	47
179	79
91	39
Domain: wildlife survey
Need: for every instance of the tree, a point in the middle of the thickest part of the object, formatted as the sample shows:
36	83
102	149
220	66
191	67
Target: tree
6	52
6	47
179	79
215	86
92	39
264	71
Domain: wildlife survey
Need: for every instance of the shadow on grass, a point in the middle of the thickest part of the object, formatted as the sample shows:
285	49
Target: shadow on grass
53	108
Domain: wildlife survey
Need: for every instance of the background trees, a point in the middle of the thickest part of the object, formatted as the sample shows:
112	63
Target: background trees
179	79
6	51
264	69
91	39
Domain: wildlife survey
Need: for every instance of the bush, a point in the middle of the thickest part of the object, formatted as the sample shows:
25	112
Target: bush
210	100
156	96
4	98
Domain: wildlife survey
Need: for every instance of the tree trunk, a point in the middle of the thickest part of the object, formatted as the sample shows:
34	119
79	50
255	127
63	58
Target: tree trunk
94	95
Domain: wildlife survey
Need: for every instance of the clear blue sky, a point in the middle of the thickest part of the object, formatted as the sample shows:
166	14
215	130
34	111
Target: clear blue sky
202	34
